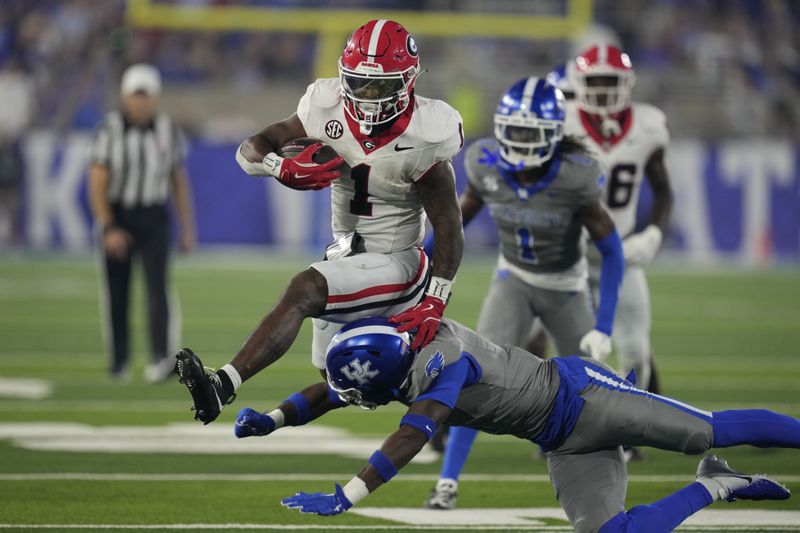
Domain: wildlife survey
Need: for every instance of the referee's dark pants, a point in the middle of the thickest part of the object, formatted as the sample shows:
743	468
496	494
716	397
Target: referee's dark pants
150	229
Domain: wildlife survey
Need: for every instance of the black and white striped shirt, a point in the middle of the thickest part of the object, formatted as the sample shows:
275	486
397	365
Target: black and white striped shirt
140	159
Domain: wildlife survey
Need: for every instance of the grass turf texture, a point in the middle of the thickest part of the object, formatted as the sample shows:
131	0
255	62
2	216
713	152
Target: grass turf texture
723	340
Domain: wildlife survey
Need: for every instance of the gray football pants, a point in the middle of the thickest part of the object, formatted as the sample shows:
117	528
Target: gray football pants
510	308
588	471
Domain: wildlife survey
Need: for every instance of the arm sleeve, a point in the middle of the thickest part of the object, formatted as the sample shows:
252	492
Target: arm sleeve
471	165
447	147
611	272
448	384
100	153
659	129
595	183
180	147
304	106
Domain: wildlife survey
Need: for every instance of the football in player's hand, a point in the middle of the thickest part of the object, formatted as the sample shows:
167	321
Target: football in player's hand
325	154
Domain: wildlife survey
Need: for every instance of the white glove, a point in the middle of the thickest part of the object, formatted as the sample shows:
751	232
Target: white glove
640	248
596	344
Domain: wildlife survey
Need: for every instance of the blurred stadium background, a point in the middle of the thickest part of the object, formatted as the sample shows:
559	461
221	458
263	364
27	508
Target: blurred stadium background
80	450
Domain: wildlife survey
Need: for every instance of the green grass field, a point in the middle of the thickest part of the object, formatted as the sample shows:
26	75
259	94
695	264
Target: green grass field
93	454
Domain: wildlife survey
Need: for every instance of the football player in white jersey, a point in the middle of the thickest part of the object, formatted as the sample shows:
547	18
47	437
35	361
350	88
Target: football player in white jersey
399	146
629	139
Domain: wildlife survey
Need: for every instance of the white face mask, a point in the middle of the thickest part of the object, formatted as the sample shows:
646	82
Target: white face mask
373	98
607	98
527	141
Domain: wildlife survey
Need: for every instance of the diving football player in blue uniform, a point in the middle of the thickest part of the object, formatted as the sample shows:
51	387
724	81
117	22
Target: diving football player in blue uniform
577	409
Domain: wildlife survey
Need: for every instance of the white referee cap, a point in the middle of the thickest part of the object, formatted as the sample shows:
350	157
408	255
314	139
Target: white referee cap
141	77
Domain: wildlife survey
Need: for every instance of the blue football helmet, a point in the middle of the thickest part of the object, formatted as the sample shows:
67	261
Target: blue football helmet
529	123
367	361
560	78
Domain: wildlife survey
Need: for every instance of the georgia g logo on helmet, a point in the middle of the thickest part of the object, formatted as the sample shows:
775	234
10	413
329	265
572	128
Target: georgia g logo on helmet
378	68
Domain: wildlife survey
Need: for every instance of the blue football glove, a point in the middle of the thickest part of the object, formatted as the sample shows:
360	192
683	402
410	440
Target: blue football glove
251	423
319	502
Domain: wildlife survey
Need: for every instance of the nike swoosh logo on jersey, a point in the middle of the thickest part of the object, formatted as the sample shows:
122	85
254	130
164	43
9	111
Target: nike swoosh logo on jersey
398	148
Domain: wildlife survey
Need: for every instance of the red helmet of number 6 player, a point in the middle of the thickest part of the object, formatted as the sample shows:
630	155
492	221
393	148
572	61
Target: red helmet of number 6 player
603	79
378	69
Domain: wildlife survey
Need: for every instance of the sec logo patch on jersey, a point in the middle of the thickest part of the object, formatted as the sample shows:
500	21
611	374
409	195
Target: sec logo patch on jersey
334	129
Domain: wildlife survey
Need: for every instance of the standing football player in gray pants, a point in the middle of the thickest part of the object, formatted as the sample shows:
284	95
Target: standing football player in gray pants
575	408
541	190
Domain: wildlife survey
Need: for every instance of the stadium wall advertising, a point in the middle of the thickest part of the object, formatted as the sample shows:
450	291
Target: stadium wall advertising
736	200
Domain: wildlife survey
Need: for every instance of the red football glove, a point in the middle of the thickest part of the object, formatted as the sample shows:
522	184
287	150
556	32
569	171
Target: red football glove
425	317
302	173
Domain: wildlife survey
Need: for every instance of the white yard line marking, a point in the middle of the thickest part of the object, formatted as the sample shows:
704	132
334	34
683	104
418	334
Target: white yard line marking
28	388
499	478
531	516
191	438
469	519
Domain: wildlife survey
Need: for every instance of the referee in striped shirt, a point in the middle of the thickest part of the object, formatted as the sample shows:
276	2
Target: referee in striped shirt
137	164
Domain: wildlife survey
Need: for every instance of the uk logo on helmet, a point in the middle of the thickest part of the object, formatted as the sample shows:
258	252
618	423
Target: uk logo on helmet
358	372
334	129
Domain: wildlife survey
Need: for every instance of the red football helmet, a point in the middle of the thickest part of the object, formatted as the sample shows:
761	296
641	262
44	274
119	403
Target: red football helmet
378	69
603	79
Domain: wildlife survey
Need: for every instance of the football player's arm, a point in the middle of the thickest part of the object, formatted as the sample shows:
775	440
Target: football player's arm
416	427
254	149
641	247
657	176
600	226
116	241
440	201
182	196
257	156
437	189
298	409
471	204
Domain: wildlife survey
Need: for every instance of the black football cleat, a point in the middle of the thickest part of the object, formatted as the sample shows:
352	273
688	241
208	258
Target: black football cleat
204	386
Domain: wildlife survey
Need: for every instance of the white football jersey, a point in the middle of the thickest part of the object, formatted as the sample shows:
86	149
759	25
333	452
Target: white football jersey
378	200
623	157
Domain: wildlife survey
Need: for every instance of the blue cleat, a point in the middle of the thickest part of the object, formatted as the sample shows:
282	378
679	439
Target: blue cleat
738	485
761	488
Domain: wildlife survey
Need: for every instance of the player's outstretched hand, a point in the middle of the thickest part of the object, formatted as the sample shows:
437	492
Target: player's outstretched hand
251	423
319	502
301	172
596	344
640	248
425	317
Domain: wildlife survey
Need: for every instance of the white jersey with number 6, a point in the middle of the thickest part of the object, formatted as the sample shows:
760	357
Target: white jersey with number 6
378	200
623	156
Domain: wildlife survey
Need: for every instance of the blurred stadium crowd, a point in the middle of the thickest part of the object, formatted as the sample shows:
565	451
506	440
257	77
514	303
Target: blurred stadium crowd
719	68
